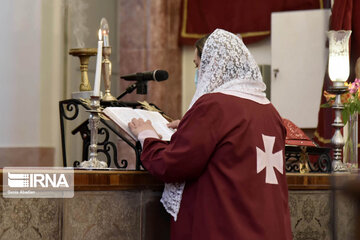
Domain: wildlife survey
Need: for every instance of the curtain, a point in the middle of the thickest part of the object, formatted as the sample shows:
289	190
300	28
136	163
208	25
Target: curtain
250	18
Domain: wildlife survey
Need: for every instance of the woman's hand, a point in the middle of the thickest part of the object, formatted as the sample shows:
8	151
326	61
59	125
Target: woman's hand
138	125
174	124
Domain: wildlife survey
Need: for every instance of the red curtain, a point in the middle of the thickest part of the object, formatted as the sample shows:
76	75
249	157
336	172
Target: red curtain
343	18
250	18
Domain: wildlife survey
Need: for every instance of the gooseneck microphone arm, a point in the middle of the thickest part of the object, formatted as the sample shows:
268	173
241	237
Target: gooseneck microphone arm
129	89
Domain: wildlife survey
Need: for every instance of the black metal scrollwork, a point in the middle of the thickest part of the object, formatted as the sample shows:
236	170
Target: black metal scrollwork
293	159
69	110
76	164
323	164
124	163
103	132
72	107
292	162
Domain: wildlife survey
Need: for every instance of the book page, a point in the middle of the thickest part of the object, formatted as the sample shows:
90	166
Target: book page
123	115
158	122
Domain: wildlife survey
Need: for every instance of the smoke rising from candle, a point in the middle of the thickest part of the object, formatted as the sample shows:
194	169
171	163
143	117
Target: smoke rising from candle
77	13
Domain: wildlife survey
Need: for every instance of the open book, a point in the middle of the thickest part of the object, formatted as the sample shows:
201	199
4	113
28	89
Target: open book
123	115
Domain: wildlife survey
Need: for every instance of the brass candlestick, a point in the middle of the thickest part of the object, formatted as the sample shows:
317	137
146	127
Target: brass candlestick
84	55
106	73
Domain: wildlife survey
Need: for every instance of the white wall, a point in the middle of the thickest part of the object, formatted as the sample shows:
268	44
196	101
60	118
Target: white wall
29	73
51	74
20	72
36	71
299	54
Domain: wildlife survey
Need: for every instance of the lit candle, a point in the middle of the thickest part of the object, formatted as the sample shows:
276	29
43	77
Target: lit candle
339	64
105	31
98	66
339	68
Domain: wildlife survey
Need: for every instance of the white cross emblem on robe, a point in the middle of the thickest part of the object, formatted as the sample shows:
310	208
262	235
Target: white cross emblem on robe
269	160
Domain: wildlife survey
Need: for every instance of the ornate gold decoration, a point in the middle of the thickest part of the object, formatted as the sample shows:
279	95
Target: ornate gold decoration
304	161
87	102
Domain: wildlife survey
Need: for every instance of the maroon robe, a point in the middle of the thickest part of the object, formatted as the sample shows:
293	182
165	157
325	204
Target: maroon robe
215	150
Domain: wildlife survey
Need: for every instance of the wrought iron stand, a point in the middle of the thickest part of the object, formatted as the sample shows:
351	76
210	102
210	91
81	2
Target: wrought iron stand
70	109
294	154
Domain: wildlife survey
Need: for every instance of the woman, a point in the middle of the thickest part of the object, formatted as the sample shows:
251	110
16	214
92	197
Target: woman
229	149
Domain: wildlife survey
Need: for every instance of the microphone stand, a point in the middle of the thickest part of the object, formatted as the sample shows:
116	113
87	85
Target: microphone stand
140	86
129	89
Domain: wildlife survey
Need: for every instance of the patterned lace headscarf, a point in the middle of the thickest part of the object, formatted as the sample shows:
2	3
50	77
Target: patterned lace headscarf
226	66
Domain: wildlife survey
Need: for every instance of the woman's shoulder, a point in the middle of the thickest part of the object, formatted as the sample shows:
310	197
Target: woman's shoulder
212	97
209	99
221	102
214	102
220	98
210	102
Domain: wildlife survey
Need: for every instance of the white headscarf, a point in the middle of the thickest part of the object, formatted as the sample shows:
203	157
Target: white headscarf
227	67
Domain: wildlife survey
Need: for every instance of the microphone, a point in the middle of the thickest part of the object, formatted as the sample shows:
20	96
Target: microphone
156	75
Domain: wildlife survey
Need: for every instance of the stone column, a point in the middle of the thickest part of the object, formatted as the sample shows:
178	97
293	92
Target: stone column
148	40
148	33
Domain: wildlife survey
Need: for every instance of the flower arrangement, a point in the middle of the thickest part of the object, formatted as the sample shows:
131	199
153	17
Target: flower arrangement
350	100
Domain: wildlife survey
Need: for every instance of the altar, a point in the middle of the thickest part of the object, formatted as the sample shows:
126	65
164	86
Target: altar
125	205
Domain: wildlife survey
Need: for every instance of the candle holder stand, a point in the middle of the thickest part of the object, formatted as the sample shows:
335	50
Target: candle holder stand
84	55
106	73
94	121
337	140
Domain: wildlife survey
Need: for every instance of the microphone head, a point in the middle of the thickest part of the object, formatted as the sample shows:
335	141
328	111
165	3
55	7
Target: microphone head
156	75
160	75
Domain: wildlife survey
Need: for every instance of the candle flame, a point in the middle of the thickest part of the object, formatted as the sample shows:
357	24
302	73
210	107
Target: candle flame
104	26
100	35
